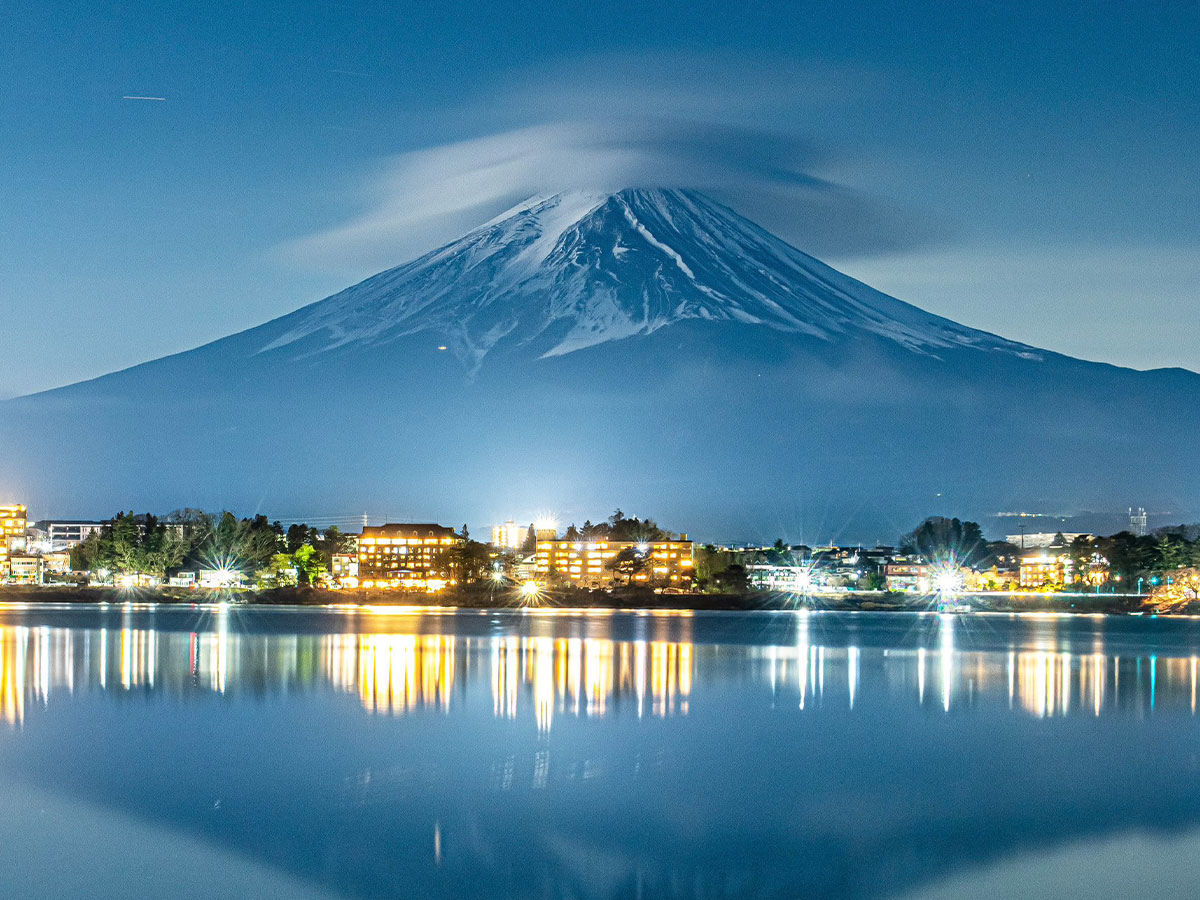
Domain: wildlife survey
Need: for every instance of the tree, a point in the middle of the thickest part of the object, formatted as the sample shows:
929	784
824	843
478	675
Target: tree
710	563
330	543
123	537
732	580
873	581
260	541
298	535
165	551
629	563
530	543
472	561
946	540
308	565
280	571
85	556
193	525
1128	555
1173	552
147	545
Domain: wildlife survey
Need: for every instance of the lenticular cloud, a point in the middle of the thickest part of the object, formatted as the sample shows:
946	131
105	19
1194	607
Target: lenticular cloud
425	197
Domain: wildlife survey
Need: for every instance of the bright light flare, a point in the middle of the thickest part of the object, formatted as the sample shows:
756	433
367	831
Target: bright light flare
531	593
948	580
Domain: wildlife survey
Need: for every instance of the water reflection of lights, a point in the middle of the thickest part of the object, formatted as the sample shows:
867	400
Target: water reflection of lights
397	672
946	656
564	670
1041	682
579	676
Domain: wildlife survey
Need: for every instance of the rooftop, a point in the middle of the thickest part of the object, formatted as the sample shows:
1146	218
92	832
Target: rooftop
419	529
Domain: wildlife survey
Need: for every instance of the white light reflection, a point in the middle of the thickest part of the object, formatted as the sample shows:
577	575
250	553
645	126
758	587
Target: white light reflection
921	675
946	656
852	672
803	654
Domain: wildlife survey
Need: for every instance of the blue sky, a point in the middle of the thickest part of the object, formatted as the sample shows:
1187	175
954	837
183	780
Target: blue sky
1033	171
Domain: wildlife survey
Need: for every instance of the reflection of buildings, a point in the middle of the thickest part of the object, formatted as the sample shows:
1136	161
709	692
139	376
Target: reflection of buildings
573	668
1040	682
390	673
396	672
583	676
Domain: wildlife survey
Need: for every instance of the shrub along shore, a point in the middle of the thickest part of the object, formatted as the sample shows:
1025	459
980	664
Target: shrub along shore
483	597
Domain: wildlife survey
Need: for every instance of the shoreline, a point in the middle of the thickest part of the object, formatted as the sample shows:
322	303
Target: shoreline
616	600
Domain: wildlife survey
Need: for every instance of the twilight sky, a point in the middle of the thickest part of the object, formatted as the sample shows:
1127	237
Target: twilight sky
1033	172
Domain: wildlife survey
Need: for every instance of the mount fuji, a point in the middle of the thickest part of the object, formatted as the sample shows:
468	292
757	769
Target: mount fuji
646	348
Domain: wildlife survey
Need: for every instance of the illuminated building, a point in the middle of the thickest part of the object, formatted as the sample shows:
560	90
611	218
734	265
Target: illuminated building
1044	540
417	556
791	579
56	565
510	535
12	534
993	579
908	576
667	563
25	568
344	569
221	579
526	567
1042	570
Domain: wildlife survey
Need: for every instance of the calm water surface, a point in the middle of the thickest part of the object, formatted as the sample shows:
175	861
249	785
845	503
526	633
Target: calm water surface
234	752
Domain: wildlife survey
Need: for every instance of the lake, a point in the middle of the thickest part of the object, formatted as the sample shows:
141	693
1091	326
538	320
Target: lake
233	751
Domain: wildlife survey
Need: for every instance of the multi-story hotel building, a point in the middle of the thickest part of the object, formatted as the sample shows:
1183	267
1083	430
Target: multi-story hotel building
1042	570
408	556
510	535
668	563
12	534
65	534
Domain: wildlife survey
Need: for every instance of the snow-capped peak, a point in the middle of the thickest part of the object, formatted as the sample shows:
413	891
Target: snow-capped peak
572	270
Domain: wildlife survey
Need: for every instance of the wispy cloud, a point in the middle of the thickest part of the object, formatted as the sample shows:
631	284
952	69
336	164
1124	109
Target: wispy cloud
625	122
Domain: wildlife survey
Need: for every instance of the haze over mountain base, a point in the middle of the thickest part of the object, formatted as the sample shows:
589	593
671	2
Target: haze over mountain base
648	349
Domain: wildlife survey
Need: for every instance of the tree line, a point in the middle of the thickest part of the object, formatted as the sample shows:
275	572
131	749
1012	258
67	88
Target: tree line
1124	557
190	539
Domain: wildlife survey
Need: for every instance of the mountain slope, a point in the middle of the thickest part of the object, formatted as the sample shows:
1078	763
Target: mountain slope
650	349
570	271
